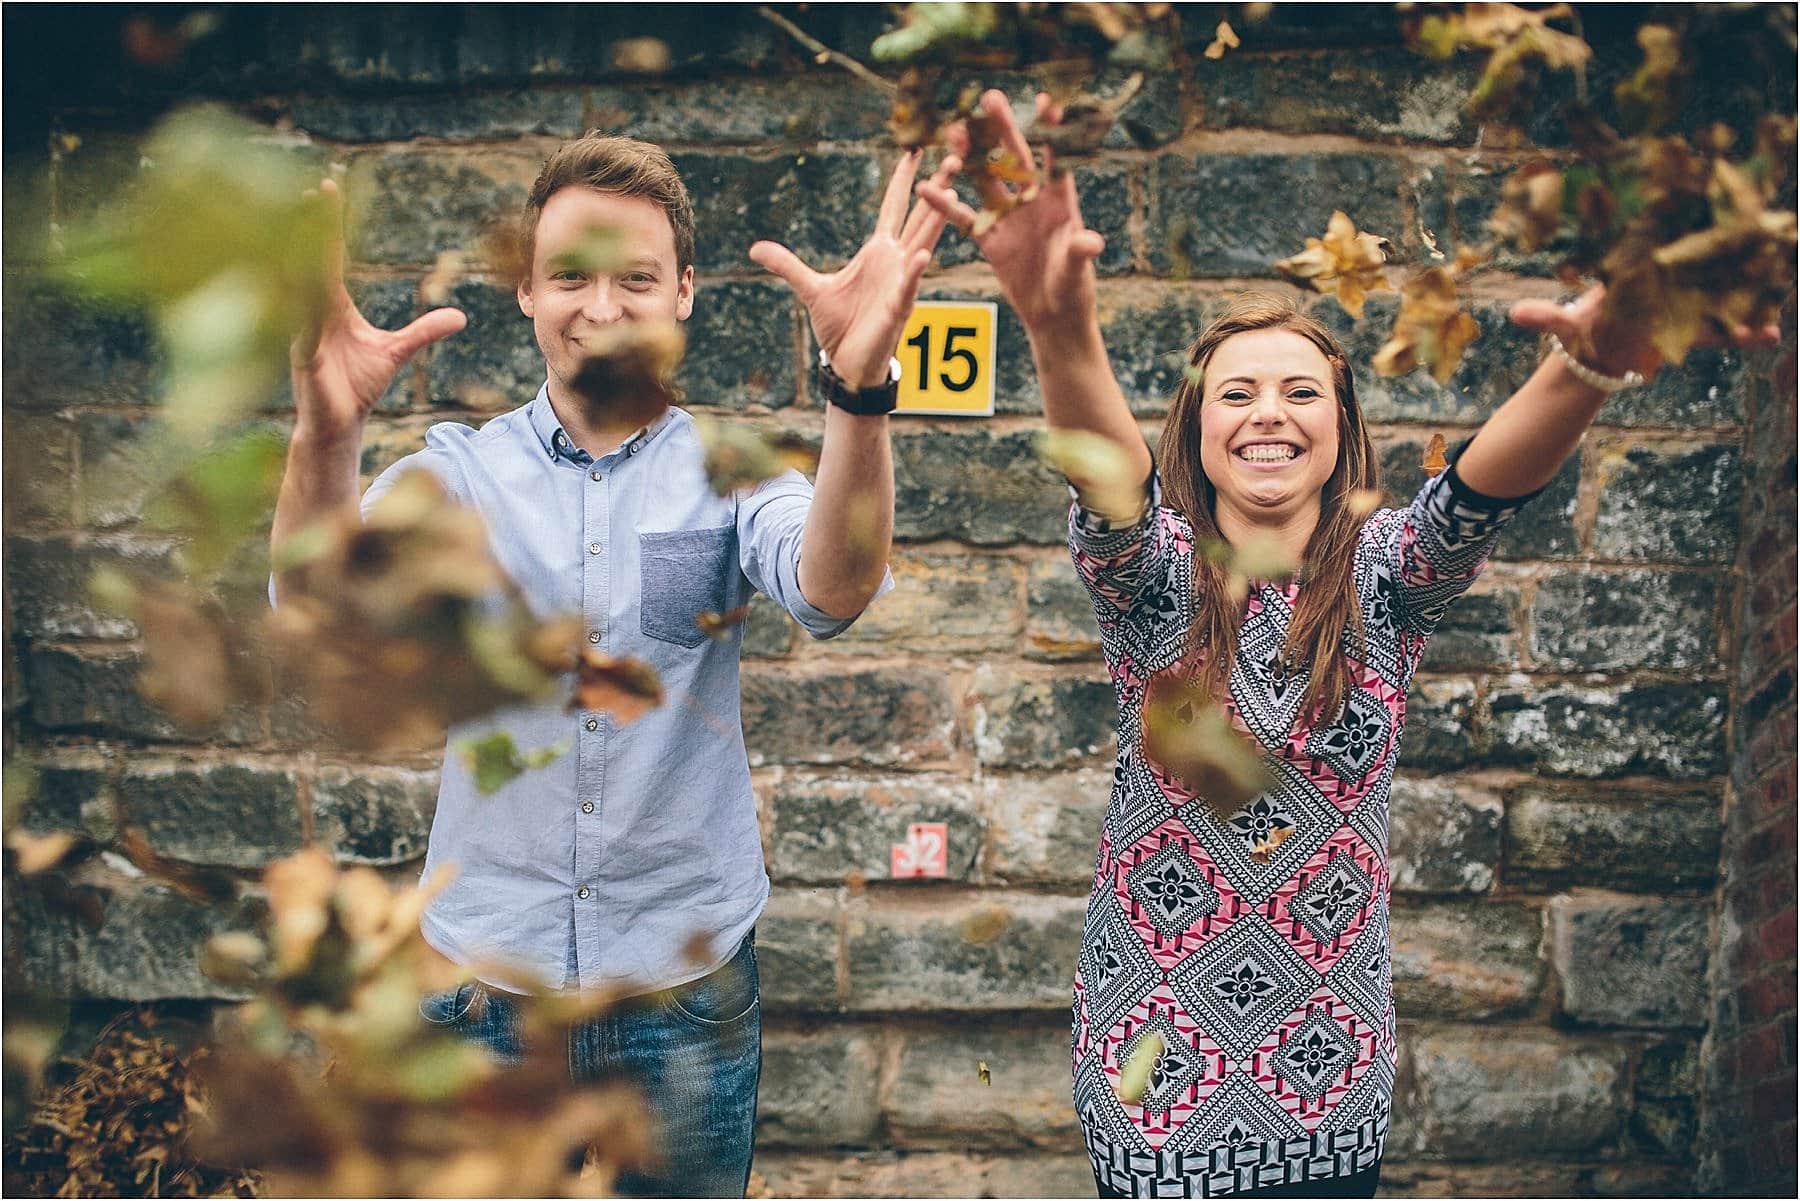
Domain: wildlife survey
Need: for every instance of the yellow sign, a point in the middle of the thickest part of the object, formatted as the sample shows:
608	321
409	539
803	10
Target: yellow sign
946	358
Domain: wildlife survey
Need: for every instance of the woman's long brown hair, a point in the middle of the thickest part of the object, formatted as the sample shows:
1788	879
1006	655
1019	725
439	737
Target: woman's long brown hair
1328	603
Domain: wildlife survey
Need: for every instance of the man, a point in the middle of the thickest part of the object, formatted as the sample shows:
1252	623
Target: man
606	869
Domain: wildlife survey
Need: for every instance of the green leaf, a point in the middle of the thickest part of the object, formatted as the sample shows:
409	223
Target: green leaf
496	761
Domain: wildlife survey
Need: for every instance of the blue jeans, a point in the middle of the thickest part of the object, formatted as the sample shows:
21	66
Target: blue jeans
695	1051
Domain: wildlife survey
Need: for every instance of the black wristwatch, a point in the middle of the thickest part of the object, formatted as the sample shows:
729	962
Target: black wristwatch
870	402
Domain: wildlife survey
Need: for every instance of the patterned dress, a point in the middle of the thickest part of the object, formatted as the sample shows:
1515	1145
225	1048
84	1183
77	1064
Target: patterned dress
1269	982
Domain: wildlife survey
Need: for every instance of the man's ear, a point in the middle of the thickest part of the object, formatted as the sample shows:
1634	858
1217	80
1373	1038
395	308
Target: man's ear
526	304
684	294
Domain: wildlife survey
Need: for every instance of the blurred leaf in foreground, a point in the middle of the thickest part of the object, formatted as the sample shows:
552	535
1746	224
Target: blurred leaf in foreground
1189	736
1346	260
222	246
1135	1072
738	456
631	368
623	686
1098	468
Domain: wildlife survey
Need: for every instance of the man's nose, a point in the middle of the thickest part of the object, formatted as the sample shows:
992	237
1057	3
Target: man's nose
600	304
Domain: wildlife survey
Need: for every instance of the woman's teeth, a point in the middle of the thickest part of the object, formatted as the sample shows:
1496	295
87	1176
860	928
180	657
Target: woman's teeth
1267	454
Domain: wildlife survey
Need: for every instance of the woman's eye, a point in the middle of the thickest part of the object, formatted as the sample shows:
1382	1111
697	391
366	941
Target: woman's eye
1303	394
1236	396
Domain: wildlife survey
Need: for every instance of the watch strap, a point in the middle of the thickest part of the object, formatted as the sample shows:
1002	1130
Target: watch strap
865	402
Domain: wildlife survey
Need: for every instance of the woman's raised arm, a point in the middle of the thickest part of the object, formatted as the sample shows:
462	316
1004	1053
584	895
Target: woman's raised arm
1043	256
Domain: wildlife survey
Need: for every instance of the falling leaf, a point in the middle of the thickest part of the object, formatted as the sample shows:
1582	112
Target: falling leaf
34	853
1362	502
985	925
205	885
624	686
1651	97
641	56
935	27
1224	38
496	761
1345	259
1086	120
235	957
630	367
739	456
1513	37
718	626
1261	851
1098	467
1260	556
196	663
1134	1074
445	272
984	1073
1189	736
856	881
698	948
600	250
1434	462
1531	206
1430	329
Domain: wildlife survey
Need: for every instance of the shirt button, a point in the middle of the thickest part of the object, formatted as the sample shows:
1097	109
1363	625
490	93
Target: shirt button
593	548
587	806
595	476
581	893
594	637
591	724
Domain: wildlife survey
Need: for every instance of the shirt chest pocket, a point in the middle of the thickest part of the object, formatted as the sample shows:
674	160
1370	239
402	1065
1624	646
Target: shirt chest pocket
685	573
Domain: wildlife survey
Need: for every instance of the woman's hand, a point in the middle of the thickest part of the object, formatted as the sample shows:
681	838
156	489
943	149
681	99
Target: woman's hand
1041	252
1613	346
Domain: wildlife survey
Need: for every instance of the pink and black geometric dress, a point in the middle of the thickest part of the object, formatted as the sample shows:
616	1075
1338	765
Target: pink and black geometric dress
1269	982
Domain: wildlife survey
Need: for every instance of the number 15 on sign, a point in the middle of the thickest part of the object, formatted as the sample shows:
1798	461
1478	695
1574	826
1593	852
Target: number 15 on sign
946	358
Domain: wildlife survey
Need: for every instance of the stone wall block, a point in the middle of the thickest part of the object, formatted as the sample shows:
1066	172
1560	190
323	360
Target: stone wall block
456	116
1059	616
407	206
1492	367
97	692
978	487
63	349
1377	94
1148	343
1443	837
825	828
797	951
889	716
69	795
957	604
911	950
377	815
1612	621
1651	841
1046	826
1467	961
39	474
48	582
820	204
1545	529
1630	961
1441	731
1212	215
938	1098
1676	503
740	346
1479	631
1673	729
221	814
493	364
1018	721
1487	1092
116	478
819	1087
769	632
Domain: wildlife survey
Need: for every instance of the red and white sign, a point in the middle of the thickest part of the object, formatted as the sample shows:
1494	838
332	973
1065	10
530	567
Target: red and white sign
924	853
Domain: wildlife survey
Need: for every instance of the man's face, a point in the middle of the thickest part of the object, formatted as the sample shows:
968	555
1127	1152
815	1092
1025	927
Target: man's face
568	305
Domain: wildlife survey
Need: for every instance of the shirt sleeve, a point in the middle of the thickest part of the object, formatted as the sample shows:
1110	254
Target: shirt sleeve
1121	562
1434	549
771	520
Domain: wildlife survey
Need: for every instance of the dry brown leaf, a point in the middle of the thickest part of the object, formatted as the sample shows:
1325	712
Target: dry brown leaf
1224	38
1189	736
1430	331
1531	206
984	1073
738	456
630	367
1098	468
641	56
985	925
34	853
718	626
445	273
1362	502
1261	851
1345	260
624	686
1434	462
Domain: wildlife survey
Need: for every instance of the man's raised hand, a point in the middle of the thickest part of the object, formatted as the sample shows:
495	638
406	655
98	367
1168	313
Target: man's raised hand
1041	252
342	365
858	311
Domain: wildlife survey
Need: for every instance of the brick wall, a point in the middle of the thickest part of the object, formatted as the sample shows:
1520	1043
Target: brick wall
1581	723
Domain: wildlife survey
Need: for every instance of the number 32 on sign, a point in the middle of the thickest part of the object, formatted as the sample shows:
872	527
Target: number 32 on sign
924	853
946	355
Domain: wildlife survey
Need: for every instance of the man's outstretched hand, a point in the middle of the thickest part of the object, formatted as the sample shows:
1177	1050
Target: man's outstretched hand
342	365
1041	252
859	310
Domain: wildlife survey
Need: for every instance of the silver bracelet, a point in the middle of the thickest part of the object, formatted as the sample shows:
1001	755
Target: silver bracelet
1594	379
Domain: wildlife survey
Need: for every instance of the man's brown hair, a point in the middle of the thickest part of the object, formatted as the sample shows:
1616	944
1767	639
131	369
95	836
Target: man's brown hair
620	167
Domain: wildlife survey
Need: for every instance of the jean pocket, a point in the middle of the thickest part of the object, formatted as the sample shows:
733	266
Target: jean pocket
450	1007
684	573
721	998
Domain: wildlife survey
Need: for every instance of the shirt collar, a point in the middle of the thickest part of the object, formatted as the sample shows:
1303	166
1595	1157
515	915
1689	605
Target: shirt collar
558	445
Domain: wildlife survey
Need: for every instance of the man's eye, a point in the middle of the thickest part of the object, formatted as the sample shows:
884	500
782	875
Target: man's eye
567	277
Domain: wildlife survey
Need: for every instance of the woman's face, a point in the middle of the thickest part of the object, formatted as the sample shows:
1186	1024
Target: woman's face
1268	425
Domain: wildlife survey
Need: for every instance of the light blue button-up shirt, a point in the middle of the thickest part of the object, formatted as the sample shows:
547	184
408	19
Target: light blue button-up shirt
600	869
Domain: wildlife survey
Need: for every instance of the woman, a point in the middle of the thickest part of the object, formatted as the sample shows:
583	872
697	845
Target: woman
1254	944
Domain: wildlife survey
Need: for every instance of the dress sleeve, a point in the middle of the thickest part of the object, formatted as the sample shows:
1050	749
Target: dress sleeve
1433	549
1123	563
